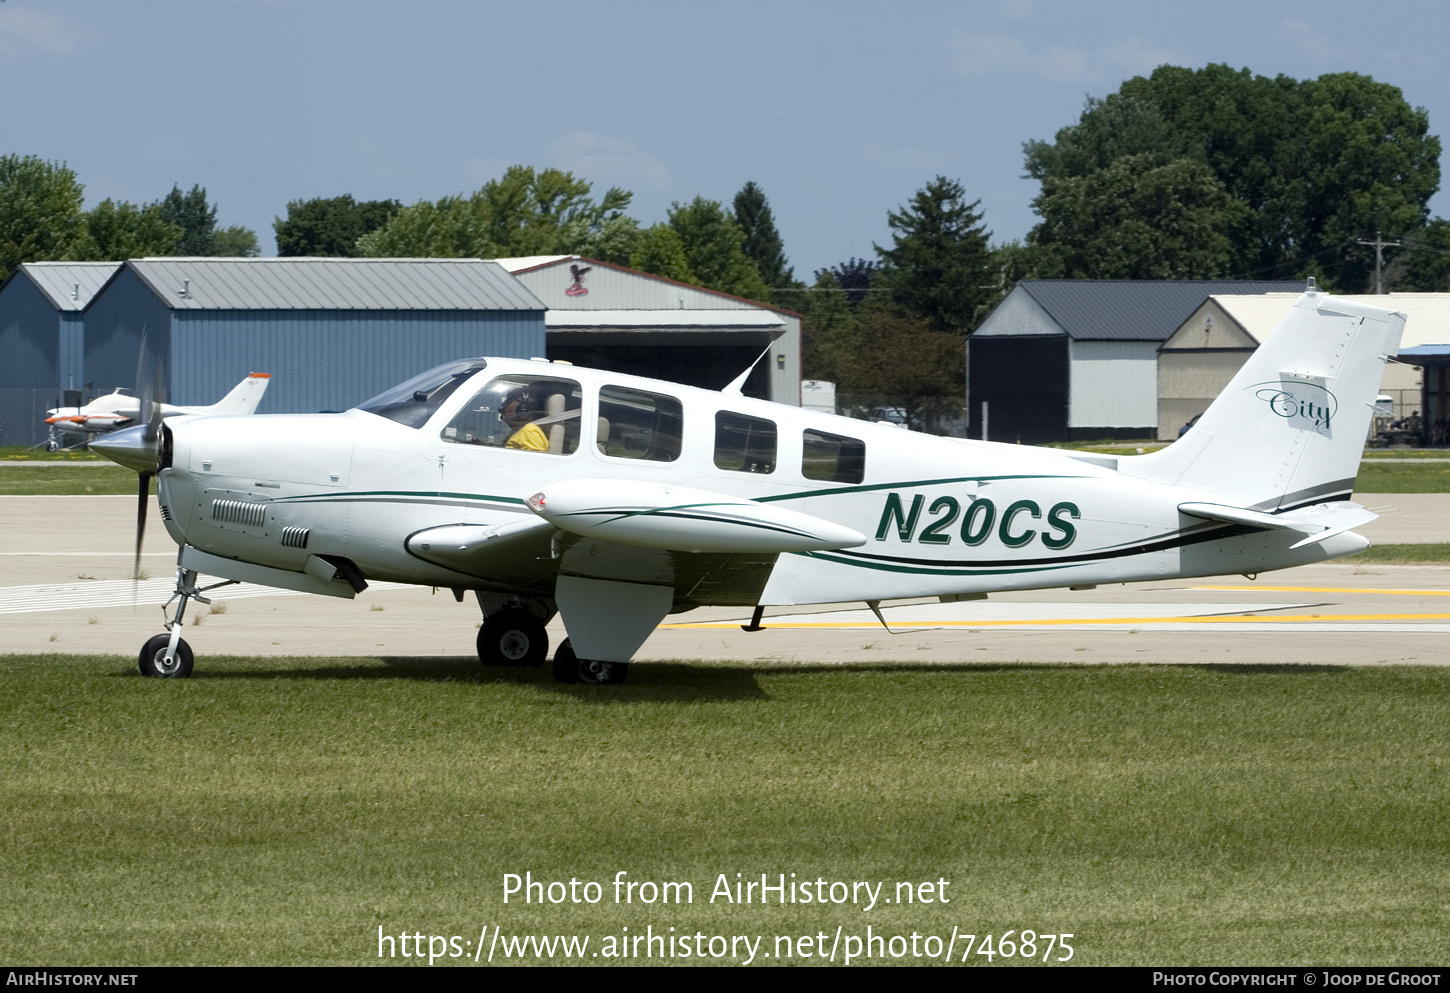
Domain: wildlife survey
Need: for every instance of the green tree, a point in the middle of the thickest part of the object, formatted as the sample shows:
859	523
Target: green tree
761	240
196	218
1423	264
828	330
236	242
659	250
524	212
450	228
906	362
40	213
853	276
1316	164
714	249
330	227
939	265
121	230
1135	219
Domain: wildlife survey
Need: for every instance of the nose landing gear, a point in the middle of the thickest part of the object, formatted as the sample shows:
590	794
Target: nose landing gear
168	656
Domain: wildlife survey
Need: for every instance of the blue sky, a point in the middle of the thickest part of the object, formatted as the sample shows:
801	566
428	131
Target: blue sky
840	111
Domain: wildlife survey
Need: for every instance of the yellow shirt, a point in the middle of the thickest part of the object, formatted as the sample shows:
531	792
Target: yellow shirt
529	439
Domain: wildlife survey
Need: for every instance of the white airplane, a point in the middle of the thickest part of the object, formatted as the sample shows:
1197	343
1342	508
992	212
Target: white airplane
615	500
116	409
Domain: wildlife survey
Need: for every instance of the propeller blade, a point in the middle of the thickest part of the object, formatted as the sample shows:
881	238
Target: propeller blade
142	495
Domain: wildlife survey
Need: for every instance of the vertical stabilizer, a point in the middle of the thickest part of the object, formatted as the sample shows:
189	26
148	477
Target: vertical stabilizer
1289	429
243	398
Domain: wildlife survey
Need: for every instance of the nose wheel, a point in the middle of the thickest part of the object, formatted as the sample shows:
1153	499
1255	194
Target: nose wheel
160	660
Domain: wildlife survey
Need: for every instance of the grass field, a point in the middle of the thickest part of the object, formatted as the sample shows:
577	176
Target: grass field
279	811
64	480
1429	553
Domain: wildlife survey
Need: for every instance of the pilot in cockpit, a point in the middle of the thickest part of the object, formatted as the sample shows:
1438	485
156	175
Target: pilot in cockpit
519	411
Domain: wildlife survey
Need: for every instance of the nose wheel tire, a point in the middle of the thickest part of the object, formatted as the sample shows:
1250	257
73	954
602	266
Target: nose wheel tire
512	637
569	668
153	661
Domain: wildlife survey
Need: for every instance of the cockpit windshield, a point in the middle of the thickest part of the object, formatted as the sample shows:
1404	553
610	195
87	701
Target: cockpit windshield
413	402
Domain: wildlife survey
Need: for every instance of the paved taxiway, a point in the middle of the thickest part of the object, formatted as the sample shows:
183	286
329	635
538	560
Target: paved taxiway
64	563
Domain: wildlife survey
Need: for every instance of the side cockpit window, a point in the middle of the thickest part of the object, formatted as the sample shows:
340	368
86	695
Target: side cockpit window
524	413
744	444
634	424
833	458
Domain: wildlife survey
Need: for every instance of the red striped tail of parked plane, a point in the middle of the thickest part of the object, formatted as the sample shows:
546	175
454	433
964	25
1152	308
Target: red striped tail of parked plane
117	410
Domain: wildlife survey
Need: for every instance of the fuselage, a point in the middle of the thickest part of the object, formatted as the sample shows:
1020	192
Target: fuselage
940	516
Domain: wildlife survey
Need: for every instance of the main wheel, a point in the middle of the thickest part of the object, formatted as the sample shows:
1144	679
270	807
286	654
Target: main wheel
597	673
512	637
153	658
566	665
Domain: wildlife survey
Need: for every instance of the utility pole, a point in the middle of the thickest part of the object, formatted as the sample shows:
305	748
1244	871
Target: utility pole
1379	259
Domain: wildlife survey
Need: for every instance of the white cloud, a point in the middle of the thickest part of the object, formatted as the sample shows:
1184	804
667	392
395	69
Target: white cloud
1303	36
903	158
23	30
979	54
995	54
606	161
1138	55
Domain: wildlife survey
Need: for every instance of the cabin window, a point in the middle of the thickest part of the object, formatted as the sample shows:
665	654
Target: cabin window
634	424
833	458
413	402
525	413
744	444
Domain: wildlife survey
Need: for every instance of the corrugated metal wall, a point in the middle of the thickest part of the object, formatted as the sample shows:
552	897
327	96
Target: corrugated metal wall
29	337
72	371
115	322
1114	384
332	360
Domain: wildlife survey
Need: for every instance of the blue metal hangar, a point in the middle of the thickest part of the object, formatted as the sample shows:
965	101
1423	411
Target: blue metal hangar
331	332
42	308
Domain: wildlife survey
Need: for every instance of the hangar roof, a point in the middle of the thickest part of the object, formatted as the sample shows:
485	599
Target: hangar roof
1427	315
206	283
662	319
70	285
1129	309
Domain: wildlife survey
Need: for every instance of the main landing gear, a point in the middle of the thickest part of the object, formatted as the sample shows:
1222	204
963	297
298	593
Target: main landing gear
569	668
168	656
512	636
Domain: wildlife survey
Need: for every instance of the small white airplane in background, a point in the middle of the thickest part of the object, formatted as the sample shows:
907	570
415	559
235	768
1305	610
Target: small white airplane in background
117	410
614	500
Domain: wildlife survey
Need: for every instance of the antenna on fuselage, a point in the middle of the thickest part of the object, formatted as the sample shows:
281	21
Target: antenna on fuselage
737	385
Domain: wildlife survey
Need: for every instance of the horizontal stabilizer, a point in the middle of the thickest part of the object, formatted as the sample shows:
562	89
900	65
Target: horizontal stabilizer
1323	520
654	515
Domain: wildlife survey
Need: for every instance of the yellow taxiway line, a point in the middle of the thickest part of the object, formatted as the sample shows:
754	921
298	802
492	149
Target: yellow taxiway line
1237	619
1322	589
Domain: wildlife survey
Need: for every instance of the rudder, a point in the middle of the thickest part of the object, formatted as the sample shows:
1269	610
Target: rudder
1289	429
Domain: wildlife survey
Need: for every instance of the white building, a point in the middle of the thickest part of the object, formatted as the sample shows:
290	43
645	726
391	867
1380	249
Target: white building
1203	354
